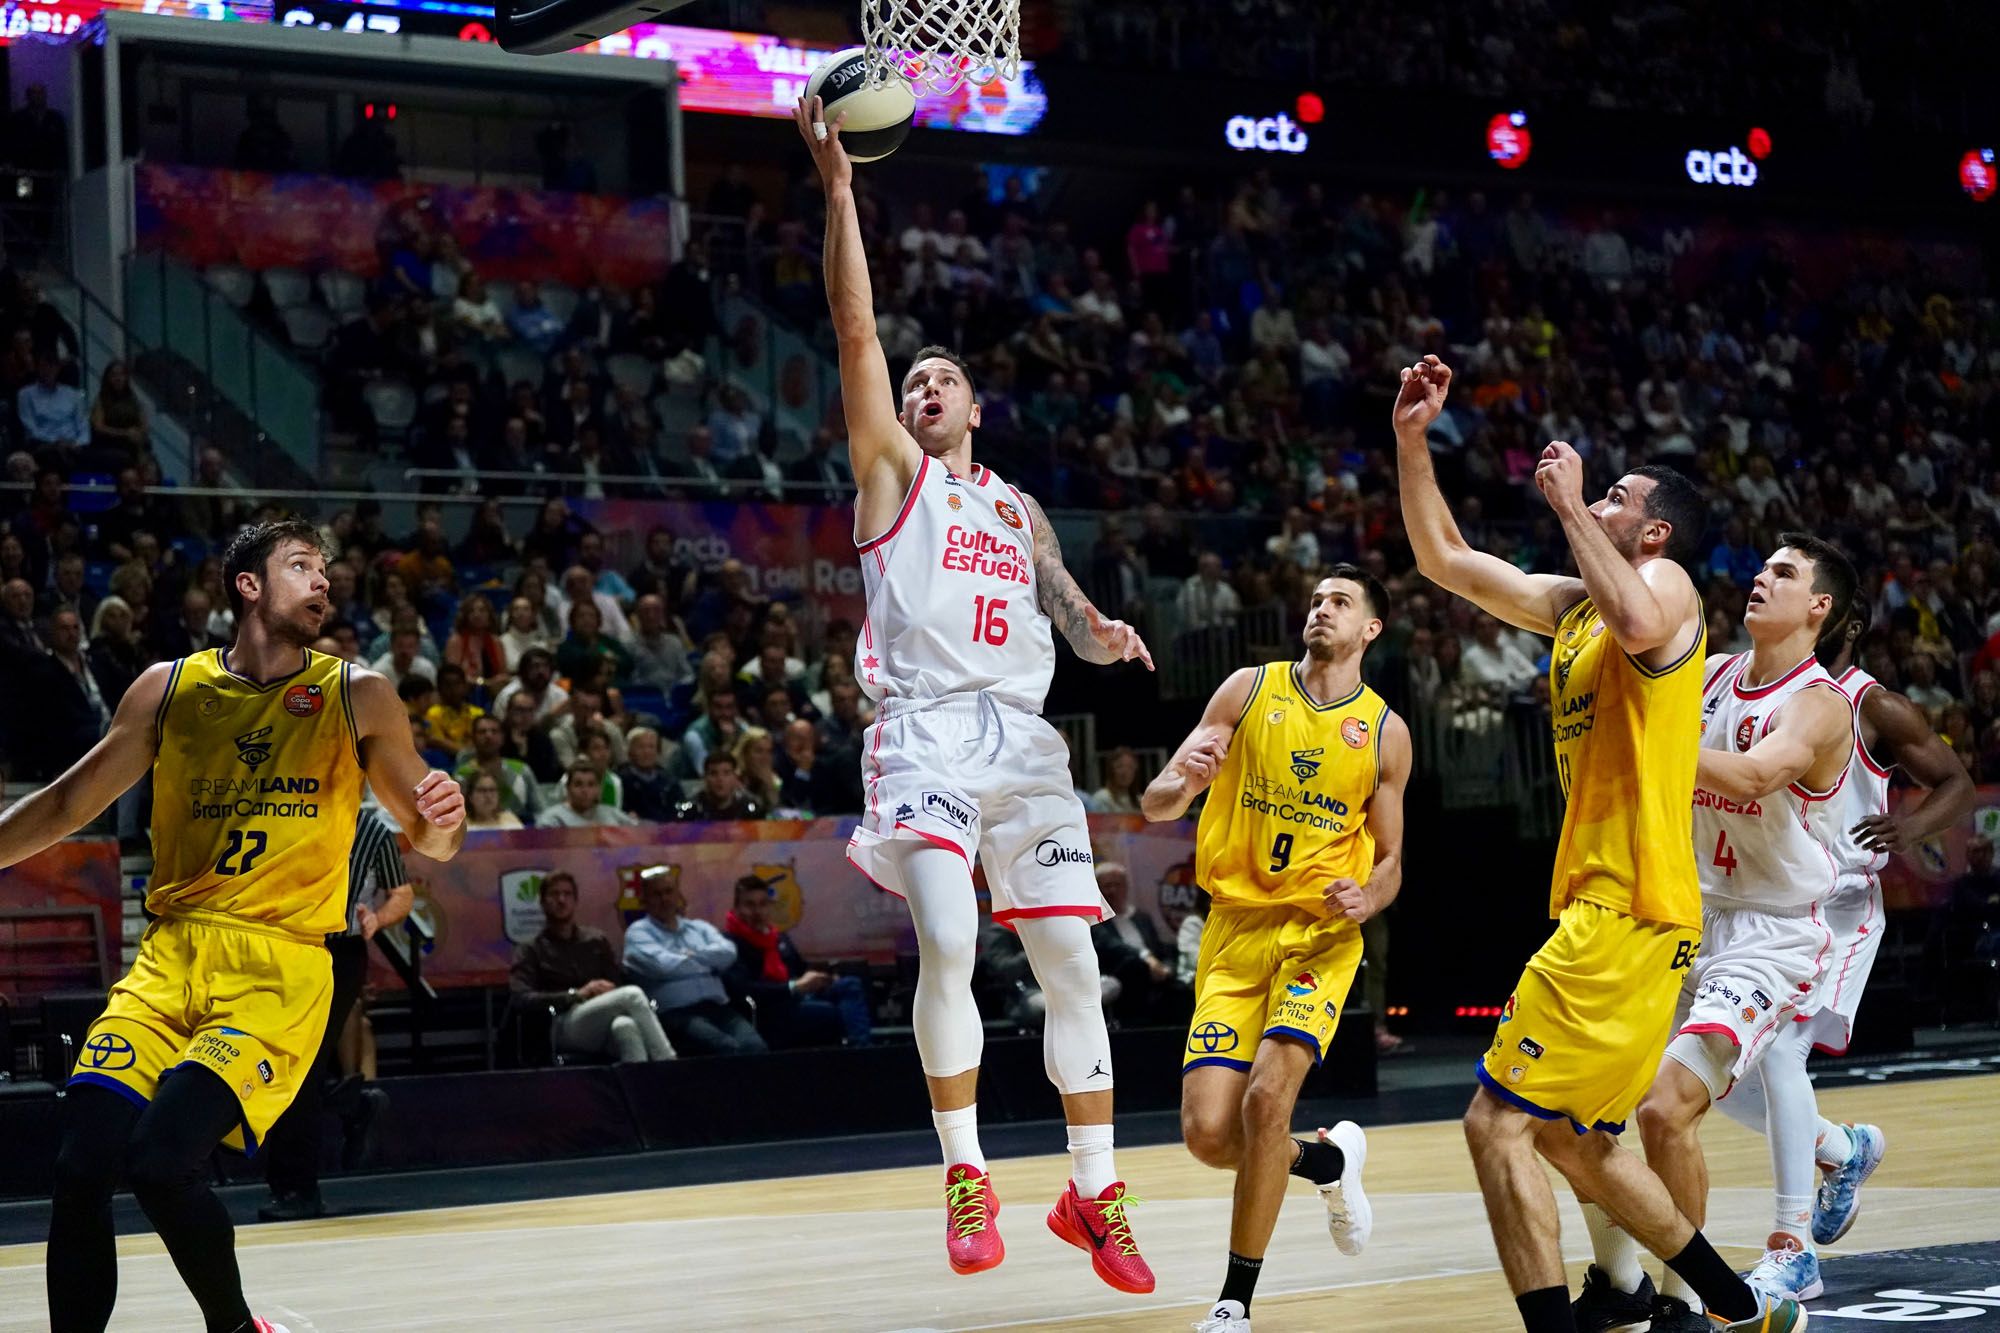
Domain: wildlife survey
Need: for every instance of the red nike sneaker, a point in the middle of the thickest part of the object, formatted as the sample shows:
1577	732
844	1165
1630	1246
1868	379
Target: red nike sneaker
1101	1227
971	1239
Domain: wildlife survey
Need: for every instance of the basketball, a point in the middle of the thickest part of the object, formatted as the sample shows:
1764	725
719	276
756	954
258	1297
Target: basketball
878	118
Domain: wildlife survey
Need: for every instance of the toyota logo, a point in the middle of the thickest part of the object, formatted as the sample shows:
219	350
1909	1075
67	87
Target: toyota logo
107	1050
1212	1038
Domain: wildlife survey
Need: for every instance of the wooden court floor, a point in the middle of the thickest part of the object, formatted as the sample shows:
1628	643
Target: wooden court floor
861	1251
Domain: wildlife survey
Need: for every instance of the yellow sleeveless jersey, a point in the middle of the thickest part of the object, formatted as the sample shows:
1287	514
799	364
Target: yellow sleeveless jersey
1287	813
1626	740
255	793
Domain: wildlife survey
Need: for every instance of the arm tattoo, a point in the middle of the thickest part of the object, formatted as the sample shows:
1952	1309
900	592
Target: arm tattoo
1057	591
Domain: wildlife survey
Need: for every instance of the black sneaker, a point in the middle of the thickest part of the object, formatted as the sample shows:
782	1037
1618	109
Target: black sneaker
292	1207
1671	1315
1603	1307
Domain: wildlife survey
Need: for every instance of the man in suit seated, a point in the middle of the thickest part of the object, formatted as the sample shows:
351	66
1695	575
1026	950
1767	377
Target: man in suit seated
1131	948
796	1005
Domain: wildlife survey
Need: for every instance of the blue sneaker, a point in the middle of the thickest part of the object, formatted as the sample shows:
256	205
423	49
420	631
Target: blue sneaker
1787	1274
1839	1199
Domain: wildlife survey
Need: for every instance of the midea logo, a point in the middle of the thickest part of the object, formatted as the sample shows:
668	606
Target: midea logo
1271	134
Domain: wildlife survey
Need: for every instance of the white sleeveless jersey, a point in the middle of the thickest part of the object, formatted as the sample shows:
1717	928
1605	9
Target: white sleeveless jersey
1865	793
952	602
1774	855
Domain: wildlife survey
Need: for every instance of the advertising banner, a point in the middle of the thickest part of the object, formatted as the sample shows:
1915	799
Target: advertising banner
1921	878
486	899
75	873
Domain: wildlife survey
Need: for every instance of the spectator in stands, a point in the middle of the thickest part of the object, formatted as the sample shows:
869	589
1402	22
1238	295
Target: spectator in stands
404	658
528	741
1121	790
659	653
733	426
679	960
580	585
534	680
74	702
569	967
116	656
660	574
583	804
1187	941
721	795
755	753
1206	599
797	1005
485	807
1131	949
714	732
841	728
474	648
532	322
650	791
524	631
587	646
1494	661
821	467
52	417
69	591
700	476
476	314
586	711
118	419
511	777
190	633
450	719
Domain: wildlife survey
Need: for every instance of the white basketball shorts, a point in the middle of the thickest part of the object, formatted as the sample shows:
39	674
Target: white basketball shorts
1755	973
983	778
1853	912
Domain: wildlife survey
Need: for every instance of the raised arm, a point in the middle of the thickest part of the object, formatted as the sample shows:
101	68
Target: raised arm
1196	763
1094	637
1533	602
425	803
1357	902
93	782
883	455
1809	741
1653	610
1902	729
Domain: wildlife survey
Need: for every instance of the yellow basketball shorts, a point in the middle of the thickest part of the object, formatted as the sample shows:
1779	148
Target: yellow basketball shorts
1268	972
1582	1034
249	1005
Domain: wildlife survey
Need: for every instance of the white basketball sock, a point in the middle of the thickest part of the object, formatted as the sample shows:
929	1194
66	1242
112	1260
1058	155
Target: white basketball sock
1672	1285
958	1135
1835	1146
1615	1252
1090	1160
1794	1219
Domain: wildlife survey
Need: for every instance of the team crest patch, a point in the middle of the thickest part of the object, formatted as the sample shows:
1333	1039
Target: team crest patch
211	704
1008	514
1355	732
304	700
1305	983
1305	764
1275	716
1746	731
254	747
1749	1014
953	502
1515	1073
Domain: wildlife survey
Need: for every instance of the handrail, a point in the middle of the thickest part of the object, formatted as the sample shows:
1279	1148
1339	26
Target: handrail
727	484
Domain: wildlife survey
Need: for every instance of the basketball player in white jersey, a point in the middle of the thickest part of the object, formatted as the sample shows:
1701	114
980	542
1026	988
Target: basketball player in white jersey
1891	732
1777	740
965	582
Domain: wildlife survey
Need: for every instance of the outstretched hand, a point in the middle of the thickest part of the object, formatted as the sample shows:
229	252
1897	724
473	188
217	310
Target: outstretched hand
1420	397
1117	637
823	142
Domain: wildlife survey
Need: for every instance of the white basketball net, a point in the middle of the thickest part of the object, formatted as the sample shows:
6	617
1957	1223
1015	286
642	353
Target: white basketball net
940	45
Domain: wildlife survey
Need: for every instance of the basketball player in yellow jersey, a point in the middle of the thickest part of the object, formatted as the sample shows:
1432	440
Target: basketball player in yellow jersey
1300	842
257	753
1581	1036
